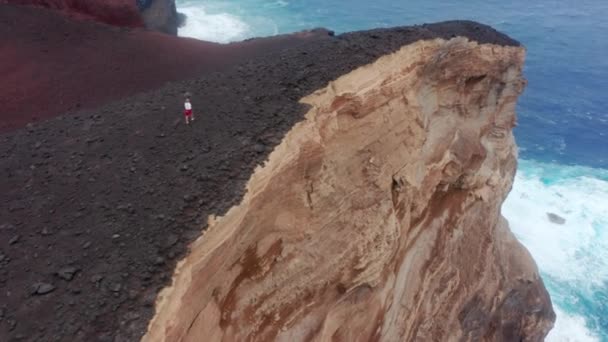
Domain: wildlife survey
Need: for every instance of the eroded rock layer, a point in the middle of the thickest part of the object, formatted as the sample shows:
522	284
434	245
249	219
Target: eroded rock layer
377	217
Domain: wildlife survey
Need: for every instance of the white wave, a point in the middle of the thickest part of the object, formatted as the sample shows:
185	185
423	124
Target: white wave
573	255
569	329
221	28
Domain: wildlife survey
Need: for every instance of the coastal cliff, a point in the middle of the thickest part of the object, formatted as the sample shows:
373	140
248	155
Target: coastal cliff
340	187
377	217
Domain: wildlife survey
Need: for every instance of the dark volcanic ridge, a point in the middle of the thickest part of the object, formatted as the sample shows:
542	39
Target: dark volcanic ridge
99	205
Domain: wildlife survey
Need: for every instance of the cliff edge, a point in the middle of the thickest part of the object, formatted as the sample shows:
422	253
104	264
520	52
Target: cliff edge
347	188
377	217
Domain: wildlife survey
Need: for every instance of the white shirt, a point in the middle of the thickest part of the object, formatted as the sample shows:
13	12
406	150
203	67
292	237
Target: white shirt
188	106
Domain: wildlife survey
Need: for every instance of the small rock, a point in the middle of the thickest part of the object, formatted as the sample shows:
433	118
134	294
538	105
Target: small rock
131	316
159	261
14	240
86	245
45	231
116	287
259	148
115	236
96	278
184	168
7	226
171	240
67	273
554	218
43	288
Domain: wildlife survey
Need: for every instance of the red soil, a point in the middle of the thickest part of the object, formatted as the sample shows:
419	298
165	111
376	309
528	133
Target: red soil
51	64
113	12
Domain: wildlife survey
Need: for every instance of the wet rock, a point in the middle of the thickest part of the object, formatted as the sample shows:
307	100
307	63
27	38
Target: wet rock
554	218
42	288
67	273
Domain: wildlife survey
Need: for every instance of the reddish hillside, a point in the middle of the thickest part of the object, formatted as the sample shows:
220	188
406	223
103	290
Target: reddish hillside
51	64
113	12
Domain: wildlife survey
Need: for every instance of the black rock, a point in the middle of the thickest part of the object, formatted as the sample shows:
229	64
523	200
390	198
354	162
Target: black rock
171	240
43	288
116	287
159	261
96	278
14	240
67	273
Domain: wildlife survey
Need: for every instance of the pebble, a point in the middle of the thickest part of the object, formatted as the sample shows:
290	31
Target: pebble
159	261
43	288
96	278
116	287
67	273
14	240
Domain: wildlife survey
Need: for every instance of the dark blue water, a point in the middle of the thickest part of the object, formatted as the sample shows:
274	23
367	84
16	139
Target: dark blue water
563	121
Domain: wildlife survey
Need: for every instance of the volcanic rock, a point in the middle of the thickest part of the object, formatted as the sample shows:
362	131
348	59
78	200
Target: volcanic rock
67	273
114	12
43	288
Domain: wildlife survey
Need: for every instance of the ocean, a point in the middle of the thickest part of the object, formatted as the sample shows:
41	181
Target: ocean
562	132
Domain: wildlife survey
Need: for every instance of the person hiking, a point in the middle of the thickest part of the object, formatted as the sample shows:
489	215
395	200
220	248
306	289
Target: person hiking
188	111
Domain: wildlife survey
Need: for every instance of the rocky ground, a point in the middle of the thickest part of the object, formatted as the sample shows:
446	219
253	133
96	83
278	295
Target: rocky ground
51	64
98	205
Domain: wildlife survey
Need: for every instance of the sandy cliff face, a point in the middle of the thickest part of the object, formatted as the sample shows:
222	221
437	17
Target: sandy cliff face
377	217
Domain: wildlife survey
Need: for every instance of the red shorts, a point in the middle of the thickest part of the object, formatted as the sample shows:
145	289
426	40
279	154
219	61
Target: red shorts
188	112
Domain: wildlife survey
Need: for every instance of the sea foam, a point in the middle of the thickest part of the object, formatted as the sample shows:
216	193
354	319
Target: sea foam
573	256
221	28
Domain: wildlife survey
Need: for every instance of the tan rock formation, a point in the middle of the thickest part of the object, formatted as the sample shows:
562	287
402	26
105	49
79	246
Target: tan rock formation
377	218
